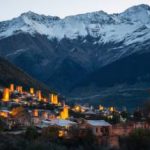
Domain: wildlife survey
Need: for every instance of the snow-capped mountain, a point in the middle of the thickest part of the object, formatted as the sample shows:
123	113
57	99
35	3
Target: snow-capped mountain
66	52
115	27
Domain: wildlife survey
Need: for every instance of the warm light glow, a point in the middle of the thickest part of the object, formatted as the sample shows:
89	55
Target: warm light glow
6	95
17	100
17	111
39	95
59	104
110	117
19	89
31	91
45	115
4	114
35	113
64	113
77	108
45	100
54	99
111	109
11	87
51	98
52	117
101	108
61	133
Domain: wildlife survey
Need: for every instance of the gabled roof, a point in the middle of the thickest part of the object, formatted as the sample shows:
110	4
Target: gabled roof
90	112
58	122
98	123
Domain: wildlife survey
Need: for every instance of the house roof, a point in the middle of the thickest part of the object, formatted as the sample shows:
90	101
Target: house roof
4	110
90	112
58	122
98	123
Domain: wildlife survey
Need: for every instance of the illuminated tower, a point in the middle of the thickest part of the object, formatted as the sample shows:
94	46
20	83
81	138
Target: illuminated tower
31	91
54	99
11	87
101	108
19	89
111	109
39	95
6	95
77	108
45	115
64	113
35	113
45	100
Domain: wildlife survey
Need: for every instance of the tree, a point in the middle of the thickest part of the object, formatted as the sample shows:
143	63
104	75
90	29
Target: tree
146	111
2	125
31	133
115	119
139	139
124	114
50	133
138	115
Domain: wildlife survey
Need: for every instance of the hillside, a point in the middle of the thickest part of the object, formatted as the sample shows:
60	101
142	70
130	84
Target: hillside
11	74
87	51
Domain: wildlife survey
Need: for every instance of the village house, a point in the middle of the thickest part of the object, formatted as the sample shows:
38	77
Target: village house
61	124
99	127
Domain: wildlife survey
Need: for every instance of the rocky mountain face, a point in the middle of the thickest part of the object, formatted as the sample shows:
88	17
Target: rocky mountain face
95	50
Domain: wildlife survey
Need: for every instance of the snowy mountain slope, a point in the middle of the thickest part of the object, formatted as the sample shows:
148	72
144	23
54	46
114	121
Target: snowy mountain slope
125	82
62	52
115	27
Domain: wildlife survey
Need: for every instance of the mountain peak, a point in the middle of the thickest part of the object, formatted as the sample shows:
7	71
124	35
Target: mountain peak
37	17
138	13
29	14
142	7
90	15
96	24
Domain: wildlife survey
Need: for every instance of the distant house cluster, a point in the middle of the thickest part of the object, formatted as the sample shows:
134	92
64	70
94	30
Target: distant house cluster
21	108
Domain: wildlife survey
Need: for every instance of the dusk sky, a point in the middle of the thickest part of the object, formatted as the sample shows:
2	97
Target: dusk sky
62	8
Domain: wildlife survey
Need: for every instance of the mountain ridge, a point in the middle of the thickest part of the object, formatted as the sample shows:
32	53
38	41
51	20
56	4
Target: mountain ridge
66	51
77	25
